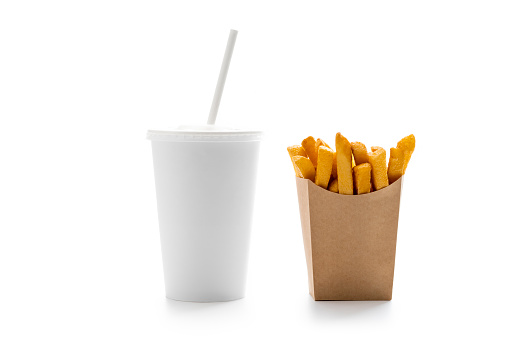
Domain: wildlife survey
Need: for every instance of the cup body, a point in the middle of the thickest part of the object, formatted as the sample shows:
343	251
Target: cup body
205	194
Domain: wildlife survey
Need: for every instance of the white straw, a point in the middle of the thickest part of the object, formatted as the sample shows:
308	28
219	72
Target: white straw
222	77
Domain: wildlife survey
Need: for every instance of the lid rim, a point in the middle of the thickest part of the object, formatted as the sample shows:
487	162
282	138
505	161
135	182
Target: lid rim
196	136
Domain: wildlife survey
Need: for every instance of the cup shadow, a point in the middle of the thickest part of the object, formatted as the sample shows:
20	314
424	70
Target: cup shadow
192	306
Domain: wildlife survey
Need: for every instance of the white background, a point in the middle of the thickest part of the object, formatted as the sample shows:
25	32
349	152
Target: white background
81	81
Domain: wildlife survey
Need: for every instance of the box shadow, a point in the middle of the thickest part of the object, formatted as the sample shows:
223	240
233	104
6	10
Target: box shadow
344	309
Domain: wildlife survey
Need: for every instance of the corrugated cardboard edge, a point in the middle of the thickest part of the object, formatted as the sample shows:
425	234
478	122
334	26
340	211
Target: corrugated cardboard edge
303	196
305	189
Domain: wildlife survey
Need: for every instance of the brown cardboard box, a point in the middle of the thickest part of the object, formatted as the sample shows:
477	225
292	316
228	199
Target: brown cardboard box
350	241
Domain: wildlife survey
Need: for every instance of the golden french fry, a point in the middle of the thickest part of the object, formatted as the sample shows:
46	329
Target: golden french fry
360	153
362	178
344	165
309	145
376	159
407	144
334	166
320	142
294	151
333	186
305	167
396	164
324	166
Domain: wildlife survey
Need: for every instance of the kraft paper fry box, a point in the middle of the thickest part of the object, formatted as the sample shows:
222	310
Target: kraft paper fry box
350	241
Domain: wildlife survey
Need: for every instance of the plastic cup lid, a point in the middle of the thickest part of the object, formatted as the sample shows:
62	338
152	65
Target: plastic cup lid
197	133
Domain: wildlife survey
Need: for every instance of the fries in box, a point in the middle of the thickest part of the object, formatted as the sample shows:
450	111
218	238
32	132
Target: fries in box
349	214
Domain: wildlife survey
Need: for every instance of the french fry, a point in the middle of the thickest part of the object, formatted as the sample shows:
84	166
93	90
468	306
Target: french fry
360	153
344	165
407	144
396	164
294	151
334	166
309	145
362	178
333	186
376	159
305	166
324	166
320	142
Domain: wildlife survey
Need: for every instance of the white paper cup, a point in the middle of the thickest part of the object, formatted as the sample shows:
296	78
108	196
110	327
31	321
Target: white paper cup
205	187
